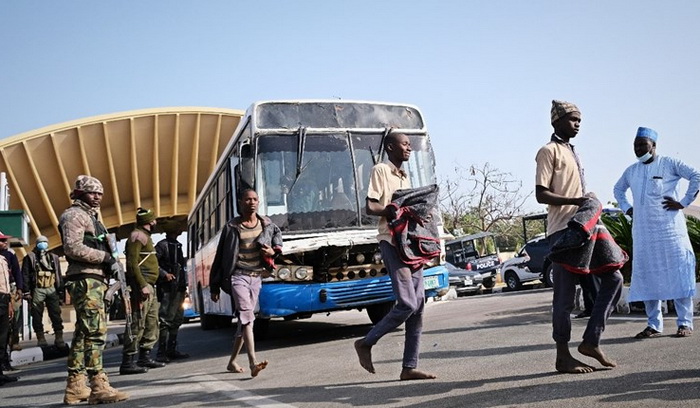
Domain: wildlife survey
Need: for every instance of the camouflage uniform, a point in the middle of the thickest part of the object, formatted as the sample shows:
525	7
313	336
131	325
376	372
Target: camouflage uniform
141	272
89	258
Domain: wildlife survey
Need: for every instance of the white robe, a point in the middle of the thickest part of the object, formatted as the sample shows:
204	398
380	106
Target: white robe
663	261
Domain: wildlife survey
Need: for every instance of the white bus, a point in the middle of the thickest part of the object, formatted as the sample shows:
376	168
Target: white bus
310	163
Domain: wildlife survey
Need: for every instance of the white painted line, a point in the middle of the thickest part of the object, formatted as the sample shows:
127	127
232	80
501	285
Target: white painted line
208	384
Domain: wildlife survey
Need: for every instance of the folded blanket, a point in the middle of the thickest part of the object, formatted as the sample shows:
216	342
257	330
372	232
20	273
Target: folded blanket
415	227
586	246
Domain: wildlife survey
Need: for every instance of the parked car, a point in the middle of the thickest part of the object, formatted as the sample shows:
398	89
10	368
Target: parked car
478	253
528	265
463	281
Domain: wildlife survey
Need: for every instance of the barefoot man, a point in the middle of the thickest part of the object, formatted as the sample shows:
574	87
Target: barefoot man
560	184
385	179
238	269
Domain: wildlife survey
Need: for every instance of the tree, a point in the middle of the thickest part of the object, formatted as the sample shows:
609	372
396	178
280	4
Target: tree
481	198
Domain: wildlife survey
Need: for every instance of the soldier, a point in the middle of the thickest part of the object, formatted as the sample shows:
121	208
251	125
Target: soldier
9	275
90	263
141	274
172	285
42	277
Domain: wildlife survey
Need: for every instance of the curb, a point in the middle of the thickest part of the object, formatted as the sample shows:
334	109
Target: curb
29	355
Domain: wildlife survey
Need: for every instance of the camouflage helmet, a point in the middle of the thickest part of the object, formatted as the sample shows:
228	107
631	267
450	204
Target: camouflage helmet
86	184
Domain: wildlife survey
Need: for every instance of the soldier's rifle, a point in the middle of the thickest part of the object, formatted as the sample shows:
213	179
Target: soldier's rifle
120	285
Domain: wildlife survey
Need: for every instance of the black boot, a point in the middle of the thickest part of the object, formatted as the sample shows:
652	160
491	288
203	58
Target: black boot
161	354
172	352
145	360
129	365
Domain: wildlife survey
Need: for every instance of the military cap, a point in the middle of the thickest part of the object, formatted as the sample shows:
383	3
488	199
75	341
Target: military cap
41	238
86	184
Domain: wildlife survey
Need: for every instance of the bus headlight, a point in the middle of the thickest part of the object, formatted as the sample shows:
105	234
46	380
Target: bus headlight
284	273
360	258
301	273
377	258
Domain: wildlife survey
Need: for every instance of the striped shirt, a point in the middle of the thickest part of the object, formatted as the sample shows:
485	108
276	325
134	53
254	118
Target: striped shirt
249	257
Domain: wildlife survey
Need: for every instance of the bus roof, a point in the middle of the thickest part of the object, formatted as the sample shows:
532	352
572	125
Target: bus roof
412	115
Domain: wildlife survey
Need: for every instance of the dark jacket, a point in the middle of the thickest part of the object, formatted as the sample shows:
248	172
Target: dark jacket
13	269
586	245
171	260
415	227
227	254
30	269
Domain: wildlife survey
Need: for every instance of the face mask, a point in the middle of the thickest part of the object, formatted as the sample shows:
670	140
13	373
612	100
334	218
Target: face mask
645	157
43	246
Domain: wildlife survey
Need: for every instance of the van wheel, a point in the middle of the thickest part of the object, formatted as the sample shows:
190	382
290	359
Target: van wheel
512	280
489	283
549	276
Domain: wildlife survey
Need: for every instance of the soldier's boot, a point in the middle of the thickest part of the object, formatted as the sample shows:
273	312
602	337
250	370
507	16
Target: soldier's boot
41	340
103	393
129	365
58	341
76	389
173	352
161	354
145	360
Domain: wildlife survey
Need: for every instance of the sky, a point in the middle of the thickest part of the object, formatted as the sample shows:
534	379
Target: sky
483	73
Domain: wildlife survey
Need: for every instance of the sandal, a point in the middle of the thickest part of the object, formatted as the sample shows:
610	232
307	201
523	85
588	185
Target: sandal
647	333
684	331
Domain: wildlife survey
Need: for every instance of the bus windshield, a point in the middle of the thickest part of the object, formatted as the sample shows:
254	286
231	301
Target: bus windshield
325	185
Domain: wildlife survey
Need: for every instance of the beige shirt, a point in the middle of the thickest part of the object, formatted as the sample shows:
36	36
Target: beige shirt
558	172
383	182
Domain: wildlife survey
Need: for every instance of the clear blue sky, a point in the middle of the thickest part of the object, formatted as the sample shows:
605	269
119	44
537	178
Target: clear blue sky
483	72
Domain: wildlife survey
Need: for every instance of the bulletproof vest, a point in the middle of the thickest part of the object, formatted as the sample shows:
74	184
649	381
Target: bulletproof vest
45	271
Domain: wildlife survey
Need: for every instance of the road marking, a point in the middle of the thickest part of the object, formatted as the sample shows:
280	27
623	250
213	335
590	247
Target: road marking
208	384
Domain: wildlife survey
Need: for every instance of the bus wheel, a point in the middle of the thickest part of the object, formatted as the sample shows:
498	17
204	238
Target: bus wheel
261	328
207	322
378	311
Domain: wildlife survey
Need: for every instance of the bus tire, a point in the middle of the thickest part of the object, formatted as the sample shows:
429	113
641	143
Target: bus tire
261	328
378	311
207	322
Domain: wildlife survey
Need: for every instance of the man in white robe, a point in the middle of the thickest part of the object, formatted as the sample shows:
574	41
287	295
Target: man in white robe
663	261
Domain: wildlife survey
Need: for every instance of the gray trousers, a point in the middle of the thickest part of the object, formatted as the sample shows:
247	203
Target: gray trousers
410	302
563	303
48	297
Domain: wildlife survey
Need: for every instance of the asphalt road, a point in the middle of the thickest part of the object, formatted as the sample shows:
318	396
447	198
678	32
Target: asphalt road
488	351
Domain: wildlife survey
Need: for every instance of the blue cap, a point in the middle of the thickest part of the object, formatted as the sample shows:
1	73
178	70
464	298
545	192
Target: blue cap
648	133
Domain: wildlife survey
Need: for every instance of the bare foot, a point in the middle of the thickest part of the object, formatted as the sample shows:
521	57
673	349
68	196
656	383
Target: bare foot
414	374
595	352
364	352
569	365
256	368
234	368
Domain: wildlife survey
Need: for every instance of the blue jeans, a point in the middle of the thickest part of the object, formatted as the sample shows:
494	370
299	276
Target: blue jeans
684	311
410	302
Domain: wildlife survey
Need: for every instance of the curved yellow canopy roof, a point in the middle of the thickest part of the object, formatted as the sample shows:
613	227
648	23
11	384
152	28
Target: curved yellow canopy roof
151	158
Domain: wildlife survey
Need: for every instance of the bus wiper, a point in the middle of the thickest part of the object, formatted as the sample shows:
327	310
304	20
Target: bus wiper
301	134
376	158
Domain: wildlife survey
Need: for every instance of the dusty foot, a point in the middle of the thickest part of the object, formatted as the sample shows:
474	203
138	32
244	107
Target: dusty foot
414	374
570	365
595	352
364	352
256	368
234	368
